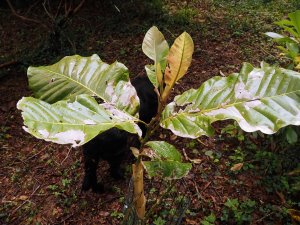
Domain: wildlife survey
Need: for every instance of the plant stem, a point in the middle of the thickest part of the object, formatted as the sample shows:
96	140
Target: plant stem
139	199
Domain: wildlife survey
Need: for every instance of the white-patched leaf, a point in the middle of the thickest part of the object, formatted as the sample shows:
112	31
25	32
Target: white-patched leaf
164	151
74	75
264	99
72	122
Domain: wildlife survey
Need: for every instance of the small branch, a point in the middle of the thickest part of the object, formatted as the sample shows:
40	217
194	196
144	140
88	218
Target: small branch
201	142
31	7
199	195
8	63
15	210
66	156
68	9
58	9
78	7
14	12
261	219
30	157
47	12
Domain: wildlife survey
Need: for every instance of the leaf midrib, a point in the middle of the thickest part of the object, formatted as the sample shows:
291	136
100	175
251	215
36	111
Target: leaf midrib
202	112
74	81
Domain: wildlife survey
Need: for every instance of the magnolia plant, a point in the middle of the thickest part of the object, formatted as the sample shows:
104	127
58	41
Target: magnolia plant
65	109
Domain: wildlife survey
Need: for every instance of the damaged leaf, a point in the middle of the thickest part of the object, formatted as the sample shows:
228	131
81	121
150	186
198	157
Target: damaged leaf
75	123
166	161
264	99
75	75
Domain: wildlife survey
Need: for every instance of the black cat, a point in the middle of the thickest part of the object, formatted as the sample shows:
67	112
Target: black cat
112	145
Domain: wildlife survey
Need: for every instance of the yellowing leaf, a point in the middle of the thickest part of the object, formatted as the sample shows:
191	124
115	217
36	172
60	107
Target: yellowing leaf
295	214
179	60
237	167
297	62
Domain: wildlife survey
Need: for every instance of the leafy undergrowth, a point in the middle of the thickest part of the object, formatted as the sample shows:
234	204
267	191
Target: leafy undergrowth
237	178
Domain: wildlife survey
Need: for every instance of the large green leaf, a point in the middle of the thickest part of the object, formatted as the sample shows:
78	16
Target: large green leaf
74	75
72	122
164	151
165	161
264	99
167	169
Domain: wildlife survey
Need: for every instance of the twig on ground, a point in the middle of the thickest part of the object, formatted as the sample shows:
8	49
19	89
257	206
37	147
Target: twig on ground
30	157
32	6
202	143
206	186
78	7
262	218
23	203
111	199
198	192
14	12
8	63
70	148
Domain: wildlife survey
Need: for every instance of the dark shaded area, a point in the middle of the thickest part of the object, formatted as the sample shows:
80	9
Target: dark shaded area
112	145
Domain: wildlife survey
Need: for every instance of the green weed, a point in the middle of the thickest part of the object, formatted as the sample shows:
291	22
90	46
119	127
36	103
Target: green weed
239	212
209	220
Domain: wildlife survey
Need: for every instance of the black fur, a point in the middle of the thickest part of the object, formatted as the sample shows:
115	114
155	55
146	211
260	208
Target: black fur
112	144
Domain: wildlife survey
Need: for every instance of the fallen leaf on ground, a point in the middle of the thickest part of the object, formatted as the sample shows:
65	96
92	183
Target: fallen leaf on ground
237	167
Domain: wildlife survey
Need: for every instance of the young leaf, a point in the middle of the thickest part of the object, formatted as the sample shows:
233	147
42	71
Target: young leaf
265	99
75	123
179	60
150	71
74	75
166	161
156	48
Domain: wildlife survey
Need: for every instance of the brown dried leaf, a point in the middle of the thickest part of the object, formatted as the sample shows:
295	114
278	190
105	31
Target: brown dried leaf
237	167
173	137
23	197
135	151
295	214
196	161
